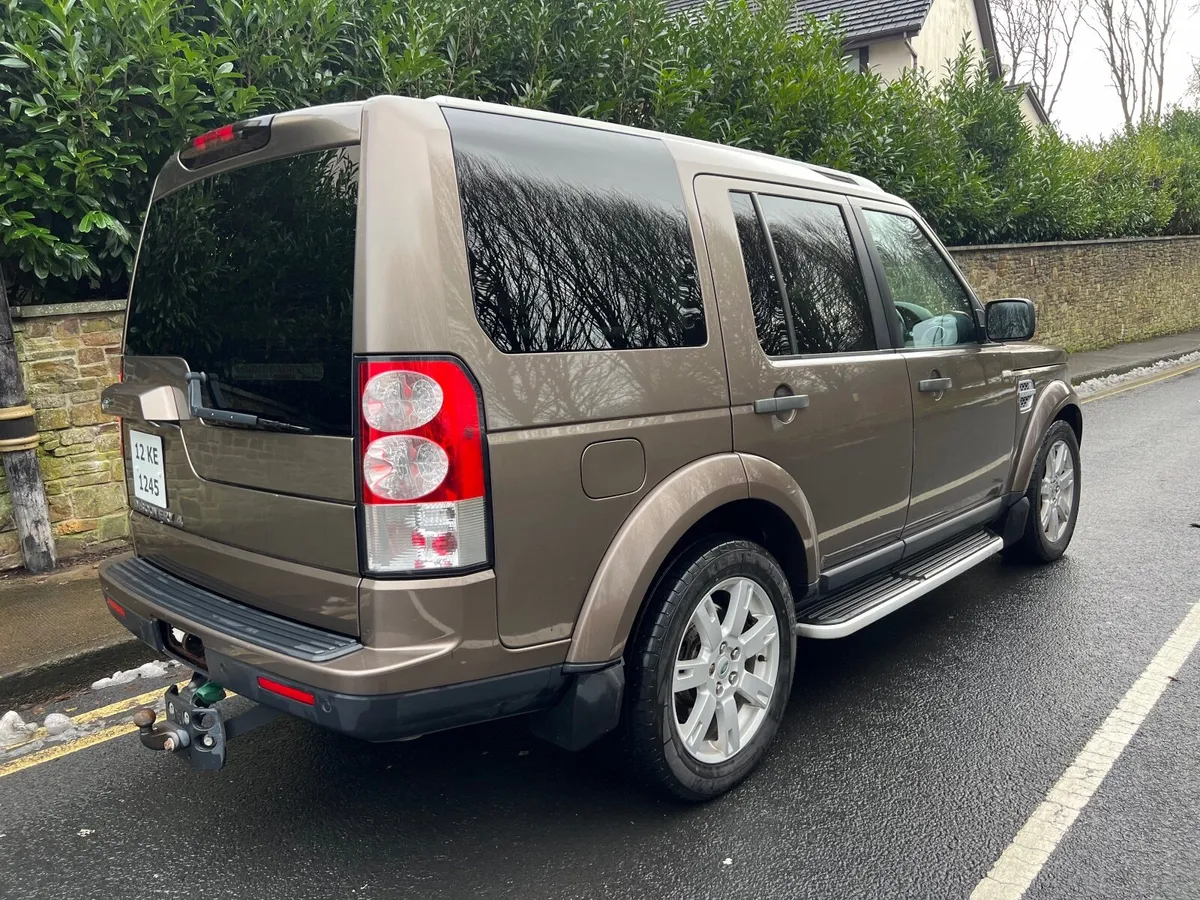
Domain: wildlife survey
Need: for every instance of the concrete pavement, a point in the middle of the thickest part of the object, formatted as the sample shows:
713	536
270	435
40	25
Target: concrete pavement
1126	357
910	756
55	632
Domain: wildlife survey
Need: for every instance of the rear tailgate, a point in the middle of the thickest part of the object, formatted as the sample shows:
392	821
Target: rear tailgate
237	391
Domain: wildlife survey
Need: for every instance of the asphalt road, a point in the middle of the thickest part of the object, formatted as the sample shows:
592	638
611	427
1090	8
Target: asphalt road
910	756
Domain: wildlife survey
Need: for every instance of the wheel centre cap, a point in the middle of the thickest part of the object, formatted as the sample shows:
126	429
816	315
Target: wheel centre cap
723	667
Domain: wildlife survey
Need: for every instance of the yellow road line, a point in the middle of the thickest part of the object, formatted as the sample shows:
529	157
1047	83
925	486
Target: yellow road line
1112	392
57	751
101	713
126	705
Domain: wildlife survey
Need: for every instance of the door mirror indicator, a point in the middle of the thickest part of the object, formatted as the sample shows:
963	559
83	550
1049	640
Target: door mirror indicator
1010	320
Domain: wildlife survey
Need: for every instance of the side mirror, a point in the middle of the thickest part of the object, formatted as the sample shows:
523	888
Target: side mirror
1010	320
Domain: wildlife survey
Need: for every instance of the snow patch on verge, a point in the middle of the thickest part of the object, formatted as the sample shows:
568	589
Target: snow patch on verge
13	729
1095	385
156	669
57	723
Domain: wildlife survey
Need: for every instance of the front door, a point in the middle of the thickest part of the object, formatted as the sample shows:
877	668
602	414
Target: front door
964	399
813	384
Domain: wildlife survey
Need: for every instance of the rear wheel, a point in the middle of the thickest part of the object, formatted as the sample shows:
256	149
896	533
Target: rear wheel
1053	497
710	670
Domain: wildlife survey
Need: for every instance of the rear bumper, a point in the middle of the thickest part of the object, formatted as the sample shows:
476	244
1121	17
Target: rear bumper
243	643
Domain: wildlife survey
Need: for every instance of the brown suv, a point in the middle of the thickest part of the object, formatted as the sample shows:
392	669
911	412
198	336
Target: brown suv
437	411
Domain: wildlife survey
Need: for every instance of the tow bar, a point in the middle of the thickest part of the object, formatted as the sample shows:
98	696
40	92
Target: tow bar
194	726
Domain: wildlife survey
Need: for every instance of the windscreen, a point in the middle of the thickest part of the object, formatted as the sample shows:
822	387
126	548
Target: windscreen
248	275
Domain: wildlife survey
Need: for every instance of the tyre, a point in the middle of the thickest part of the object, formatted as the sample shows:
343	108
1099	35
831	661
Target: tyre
710	670
1053	497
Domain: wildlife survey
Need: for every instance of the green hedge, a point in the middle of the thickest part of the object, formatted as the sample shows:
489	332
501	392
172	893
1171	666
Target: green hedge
95	94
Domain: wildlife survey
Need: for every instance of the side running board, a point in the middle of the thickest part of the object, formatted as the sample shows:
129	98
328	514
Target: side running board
846	611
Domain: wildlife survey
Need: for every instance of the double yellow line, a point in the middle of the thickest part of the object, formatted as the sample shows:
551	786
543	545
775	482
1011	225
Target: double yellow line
84	719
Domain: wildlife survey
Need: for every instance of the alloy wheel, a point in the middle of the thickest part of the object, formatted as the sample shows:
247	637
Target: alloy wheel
726	668
1056	496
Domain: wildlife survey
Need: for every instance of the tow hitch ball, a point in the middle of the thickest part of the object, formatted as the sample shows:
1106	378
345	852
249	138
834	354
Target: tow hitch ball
168	735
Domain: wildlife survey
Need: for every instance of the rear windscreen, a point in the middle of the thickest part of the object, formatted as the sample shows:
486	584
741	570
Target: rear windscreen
249	276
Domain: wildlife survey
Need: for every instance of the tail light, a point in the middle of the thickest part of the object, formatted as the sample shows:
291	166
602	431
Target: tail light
424	488
225	142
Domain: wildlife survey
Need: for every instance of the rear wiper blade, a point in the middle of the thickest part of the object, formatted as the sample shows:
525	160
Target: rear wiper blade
275	425
196	380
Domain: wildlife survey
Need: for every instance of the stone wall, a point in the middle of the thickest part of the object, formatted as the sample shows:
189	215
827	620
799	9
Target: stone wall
69	353
1093	294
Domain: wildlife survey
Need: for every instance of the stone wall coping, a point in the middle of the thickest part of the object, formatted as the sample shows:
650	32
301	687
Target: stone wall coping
970	248
68	309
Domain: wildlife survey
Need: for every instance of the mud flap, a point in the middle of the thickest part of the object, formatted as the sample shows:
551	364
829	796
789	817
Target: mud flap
589	709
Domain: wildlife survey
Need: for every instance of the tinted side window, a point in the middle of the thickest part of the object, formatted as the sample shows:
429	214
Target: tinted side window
933	308
577	238
821	274
765	297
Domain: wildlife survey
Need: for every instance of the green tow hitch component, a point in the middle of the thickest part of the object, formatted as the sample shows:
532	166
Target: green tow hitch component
208	693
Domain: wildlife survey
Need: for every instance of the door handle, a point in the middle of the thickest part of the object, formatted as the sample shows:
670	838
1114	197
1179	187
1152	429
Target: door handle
934	385
771	405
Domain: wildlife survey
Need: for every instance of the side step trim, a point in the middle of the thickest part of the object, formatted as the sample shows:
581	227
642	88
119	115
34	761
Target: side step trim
907	589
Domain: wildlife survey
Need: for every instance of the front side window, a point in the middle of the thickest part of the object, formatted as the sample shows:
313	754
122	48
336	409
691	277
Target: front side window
577	238
933	307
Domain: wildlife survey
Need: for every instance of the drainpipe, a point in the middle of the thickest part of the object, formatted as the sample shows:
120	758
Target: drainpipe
911	52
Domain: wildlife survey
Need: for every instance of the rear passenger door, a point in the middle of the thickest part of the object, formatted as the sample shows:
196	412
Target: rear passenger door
813	382
964	399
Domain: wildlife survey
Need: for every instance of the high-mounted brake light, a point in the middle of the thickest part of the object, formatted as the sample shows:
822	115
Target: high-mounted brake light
423	479
226	141
222	135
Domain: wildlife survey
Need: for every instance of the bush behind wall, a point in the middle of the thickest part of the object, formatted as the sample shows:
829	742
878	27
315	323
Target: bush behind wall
96	94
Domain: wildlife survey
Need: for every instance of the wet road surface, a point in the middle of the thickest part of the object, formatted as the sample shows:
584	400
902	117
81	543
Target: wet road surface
910	756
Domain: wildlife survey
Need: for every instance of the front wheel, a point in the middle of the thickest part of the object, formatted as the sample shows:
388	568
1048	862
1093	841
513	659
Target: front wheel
1053	497
710	670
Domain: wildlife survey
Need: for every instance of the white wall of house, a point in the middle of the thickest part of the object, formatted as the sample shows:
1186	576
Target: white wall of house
1028	110
889	59
942	34
935	45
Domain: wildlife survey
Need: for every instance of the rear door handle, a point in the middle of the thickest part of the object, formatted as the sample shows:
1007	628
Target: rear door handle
771	405
934	385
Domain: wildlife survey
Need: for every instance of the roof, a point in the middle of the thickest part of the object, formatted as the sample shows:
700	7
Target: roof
703	156
866	18
860	18
865	21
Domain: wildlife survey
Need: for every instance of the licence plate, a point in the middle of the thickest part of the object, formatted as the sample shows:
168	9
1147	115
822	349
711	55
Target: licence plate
149	473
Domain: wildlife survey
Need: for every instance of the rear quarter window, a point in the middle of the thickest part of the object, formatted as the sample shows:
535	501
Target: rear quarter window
577	238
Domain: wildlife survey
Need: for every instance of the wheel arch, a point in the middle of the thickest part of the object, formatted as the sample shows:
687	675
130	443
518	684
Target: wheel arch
714	495
1055	401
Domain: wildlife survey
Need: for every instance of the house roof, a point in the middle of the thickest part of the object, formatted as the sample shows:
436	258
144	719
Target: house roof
861	19
866	18
865	21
